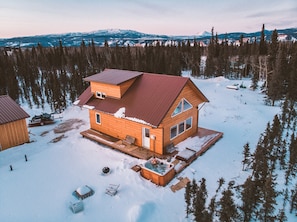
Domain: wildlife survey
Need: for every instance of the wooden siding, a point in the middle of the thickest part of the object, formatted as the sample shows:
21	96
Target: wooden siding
115	91
126	85
120	128
170	121
158	179
109	90
13	134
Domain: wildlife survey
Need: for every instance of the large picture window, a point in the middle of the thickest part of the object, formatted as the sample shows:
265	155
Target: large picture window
173	132
180	128
189	123
182	106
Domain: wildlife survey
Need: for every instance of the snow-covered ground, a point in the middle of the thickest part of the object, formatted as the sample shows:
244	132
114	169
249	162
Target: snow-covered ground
41	188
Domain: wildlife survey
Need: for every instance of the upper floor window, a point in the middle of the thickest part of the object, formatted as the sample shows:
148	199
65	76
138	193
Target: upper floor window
182	106
100	95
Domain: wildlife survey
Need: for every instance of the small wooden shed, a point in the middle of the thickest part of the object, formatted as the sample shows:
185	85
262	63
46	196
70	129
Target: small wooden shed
13	126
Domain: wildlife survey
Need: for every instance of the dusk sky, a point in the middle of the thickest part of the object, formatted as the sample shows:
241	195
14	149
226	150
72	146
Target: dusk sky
172	17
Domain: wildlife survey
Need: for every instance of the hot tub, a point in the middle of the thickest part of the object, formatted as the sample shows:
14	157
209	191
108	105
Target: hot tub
158	171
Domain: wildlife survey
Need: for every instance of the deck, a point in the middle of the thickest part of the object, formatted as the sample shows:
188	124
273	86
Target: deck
211	138
143	153
117	144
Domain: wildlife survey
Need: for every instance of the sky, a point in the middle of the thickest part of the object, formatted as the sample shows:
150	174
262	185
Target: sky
170	17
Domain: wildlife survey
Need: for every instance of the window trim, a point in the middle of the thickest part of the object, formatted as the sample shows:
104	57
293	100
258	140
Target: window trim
191	119
175	126
191	106
178	133
181	130
100	95
182	101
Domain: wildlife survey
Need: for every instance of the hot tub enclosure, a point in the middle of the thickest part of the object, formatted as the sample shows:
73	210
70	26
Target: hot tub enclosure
161	179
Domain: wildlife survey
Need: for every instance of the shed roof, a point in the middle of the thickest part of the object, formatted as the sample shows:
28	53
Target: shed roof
148	99
113	76
10	111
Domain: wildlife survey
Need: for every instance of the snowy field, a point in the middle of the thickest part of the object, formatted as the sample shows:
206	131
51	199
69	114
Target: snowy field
41	188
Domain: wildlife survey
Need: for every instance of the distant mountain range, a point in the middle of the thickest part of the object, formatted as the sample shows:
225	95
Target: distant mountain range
130	37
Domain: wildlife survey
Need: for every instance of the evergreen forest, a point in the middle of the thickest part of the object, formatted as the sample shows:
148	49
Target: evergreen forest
268	193
54	75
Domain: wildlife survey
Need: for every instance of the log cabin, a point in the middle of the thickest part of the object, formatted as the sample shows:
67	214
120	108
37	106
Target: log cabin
13	126
152	111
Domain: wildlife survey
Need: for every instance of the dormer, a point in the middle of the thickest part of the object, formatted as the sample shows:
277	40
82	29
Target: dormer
111	83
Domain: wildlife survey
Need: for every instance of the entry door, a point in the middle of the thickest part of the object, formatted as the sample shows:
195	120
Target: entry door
146	137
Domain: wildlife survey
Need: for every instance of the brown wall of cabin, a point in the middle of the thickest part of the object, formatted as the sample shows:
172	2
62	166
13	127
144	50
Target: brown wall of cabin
170	121
13	134
125	85
120	128
110	90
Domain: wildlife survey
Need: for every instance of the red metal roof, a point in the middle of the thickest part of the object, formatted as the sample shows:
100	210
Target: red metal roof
148	99
85	97
113	76
10	111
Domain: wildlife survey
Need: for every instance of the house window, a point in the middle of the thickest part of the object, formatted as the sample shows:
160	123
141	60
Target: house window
147	132
173	132
180	128
186	105
98	118
100	95
188	123
182	106
178	109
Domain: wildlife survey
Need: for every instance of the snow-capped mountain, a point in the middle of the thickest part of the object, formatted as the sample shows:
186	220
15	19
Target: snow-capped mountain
126	37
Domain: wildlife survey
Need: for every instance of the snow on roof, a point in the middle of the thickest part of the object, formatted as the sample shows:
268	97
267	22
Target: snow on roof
120	113
88	107
76	102
83	190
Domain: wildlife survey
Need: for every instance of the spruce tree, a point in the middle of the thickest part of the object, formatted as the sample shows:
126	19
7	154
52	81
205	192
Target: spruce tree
263	44
277	86
246	156
292	70
188	199
212	208
249	199
273	49
221	181
228	209
293	202
266	212
210	64
200	213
